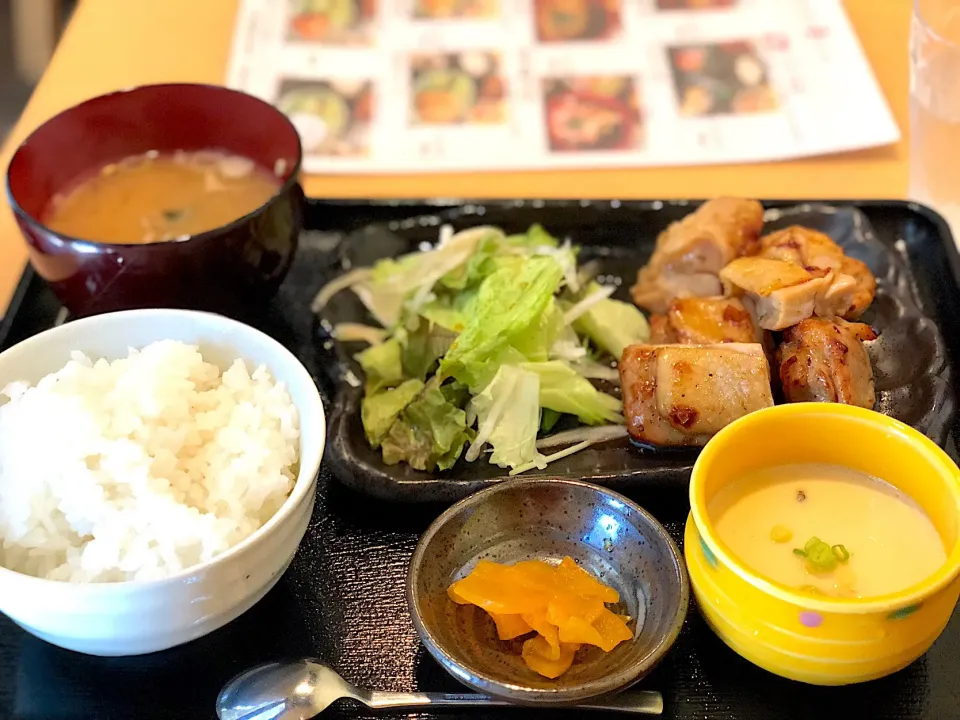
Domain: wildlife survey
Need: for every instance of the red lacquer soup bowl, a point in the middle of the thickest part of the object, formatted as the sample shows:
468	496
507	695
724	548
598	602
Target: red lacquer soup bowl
230	269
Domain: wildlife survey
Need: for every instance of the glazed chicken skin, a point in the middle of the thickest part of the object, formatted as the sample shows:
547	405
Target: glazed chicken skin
704	321
684	394
690	253
852	287
823	360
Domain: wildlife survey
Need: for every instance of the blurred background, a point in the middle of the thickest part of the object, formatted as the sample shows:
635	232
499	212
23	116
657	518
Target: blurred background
29	30
14	90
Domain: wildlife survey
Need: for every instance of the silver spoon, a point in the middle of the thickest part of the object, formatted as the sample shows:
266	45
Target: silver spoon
301	689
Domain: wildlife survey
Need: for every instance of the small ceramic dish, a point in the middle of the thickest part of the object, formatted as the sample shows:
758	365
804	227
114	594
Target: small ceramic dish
227	269
136	617
823	641
607	534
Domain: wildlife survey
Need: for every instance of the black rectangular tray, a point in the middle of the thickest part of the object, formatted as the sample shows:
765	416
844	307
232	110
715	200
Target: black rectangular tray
342	599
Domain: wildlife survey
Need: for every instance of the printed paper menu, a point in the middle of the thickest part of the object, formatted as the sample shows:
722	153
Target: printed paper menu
428	85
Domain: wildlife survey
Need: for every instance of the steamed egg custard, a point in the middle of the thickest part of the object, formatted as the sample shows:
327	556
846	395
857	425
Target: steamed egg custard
827	530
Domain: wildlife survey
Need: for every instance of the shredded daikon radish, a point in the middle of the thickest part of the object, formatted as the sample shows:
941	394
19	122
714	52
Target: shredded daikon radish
347	280
382	304
358	332
596	371
453	250
446	234
587	272
603	433
588	302
547	459
567	350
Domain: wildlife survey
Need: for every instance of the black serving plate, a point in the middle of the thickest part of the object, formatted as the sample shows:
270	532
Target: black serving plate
342	599
910	358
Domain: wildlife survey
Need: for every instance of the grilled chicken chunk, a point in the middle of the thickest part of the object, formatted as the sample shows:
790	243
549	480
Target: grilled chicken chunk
778	293
684	394
802	246
852	286
823	360
661	331
704	321
690	253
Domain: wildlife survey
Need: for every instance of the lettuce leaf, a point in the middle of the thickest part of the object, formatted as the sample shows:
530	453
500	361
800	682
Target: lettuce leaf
548	419
457	394
562	389
429	434
480	265
423	346
535	343
382	364
535	236
379	411
510	305
450	310
410	279
508	415
443	314
613	325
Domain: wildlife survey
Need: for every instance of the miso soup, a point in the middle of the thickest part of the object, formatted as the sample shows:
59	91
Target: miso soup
161	197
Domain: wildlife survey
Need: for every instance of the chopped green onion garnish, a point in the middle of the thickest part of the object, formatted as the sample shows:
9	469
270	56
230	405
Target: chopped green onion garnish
841	553
821	557
173	215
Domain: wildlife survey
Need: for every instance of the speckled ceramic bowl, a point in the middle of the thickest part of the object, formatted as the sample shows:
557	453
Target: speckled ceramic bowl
607	534
823	641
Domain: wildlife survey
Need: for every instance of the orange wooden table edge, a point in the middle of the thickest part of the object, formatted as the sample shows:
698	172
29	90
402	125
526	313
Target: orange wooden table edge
113	44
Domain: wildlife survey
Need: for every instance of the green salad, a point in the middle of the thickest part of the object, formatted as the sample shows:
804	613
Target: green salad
486	342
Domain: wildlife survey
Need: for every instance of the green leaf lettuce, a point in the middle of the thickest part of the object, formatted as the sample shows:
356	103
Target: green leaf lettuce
510	305
429	434
382	364
564	390
613	325
379	411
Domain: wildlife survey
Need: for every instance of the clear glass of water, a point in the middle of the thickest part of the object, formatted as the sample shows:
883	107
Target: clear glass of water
935	107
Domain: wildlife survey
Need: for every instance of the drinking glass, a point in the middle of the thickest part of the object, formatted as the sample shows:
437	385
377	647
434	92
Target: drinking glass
935	107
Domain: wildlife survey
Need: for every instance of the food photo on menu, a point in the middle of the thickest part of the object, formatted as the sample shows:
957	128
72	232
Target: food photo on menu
482	356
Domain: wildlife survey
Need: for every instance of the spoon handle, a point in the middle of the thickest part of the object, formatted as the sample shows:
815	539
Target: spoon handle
637	703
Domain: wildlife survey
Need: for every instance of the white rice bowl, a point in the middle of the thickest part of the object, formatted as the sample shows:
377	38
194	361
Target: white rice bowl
142	467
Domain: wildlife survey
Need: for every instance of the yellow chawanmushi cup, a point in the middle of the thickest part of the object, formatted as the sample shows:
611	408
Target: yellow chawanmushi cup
810	639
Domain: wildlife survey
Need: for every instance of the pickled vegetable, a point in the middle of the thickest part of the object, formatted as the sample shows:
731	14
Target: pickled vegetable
563	604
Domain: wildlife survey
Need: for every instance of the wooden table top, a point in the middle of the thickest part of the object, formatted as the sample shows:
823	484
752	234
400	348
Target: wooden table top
112	44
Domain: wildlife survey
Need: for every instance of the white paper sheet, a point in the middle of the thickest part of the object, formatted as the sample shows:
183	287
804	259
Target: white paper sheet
430	85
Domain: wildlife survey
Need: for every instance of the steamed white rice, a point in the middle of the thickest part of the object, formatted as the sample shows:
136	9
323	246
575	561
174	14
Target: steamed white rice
139	468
